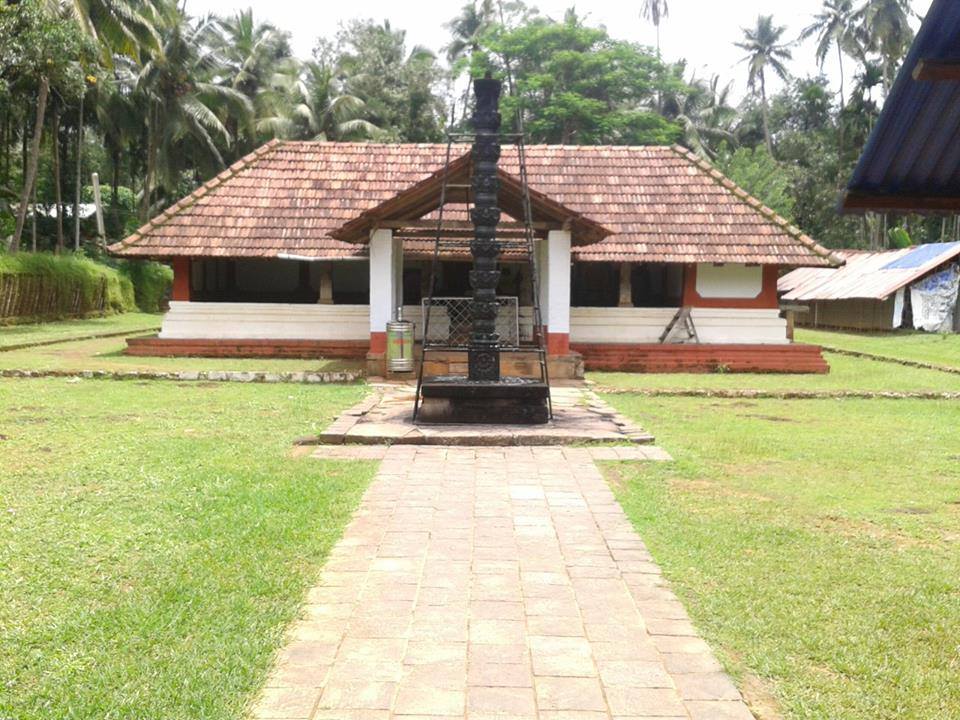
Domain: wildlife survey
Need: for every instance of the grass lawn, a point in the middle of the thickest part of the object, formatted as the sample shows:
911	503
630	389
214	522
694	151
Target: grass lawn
155	539
41	332
846	373
107	354
816	544
918	346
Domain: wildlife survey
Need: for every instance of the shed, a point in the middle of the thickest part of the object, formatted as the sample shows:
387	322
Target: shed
912	287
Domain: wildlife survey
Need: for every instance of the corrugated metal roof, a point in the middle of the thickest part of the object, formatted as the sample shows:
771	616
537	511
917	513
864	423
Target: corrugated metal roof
866	275
921	255
912	158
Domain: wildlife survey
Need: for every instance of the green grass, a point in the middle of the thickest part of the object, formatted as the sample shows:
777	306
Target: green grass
917	346
155	539
816	544
107	354
62	330
846	373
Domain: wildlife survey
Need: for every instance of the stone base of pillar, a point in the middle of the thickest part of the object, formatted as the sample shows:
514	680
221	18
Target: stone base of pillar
508	402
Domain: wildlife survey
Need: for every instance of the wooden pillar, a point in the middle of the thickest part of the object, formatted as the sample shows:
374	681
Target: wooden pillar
626	285
181	279
326	284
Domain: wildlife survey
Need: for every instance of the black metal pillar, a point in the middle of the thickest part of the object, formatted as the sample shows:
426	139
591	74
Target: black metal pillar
483	352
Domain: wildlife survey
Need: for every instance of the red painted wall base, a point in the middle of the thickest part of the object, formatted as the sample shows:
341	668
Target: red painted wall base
655	358
306	349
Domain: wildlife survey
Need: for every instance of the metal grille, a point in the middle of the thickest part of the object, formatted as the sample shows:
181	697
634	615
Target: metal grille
450	322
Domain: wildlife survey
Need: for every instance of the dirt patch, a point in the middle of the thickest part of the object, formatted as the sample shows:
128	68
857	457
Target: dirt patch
760	698
770	418
613	475
32	420
858	529
715	488
4	437
911	511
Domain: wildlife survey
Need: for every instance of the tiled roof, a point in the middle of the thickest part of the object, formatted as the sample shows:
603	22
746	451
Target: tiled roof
663	204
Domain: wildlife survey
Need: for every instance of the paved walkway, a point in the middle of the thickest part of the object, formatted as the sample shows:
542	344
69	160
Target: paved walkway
494	584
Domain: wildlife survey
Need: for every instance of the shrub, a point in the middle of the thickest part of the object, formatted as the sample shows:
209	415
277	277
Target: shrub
151	282
47	286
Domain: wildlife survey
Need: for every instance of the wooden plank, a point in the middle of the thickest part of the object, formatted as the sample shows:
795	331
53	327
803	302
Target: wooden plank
937	71
859	202
459	225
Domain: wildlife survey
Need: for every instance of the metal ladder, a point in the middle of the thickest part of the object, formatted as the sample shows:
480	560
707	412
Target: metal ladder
524	245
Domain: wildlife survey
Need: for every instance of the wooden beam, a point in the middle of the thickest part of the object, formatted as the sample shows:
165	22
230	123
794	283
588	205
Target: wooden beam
466	234
937	71
859	202
459	225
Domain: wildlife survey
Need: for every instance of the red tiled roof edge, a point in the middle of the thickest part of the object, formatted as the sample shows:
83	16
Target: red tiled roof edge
205	189
792	230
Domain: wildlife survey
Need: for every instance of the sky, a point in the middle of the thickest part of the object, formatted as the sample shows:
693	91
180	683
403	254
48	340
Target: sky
701	31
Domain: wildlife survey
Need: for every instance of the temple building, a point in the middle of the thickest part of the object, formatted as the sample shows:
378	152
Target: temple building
649	258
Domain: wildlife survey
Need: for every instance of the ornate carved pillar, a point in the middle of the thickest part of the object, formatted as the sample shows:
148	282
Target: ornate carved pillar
483	353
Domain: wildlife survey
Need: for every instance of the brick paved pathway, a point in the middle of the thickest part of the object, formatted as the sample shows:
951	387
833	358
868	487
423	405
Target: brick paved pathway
494	584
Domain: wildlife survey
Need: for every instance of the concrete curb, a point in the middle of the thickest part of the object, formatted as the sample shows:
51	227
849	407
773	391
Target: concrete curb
888	359
78	338
309	378
782	395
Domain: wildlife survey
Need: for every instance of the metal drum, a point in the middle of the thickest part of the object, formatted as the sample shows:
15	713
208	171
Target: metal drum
400	346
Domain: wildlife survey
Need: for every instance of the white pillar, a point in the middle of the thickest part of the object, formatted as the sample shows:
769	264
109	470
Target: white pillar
543	271
386	286
558	291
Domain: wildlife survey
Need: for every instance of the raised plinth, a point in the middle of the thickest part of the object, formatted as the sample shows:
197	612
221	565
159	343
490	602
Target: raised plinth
454	399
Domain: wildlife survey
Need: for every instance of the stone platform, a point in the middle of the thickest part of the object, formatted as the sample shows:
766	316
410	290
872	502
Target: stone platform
385	417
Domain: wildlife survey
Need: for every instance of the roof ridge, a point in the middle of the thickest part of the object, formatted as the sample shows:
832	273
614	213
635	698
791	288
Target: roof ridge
769	213
205	189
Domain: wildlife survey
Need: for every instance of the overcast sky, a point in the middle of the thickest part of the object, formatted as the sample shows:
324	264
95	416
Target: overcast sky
702	31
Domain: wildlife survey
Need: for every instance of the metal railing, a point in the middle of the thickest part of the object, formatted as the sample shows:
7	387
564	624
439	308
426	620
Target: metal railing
450	322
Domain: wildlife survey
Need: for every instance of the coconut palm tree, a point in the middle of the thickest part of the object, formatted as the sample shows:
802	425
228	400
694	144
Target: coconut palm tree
467	28
126	27
702	109
833	26
323	112
655	11
765	49
885	27
257	61
183	107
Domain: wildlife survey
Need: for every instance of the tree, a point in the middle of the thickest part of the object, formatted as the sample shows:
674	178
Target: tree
765	50
467	30
256	61
655	11
40	51
126	27
576	85
327	113
702	110
833	26
885	27
399	89
183	108
755	170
